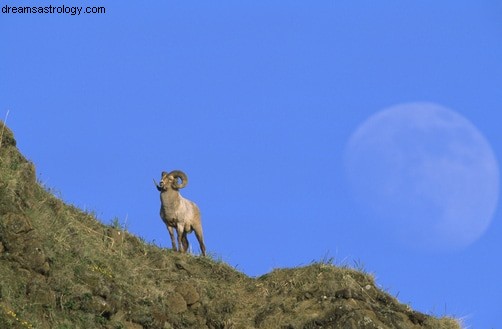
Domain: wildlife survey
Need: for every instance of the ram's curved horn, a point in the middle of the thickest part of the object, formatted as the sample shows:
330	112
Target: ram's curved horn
181	175
156	185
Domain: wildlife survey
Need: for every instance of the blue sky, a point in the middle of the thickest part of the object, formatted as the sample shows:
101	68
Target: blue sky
256	101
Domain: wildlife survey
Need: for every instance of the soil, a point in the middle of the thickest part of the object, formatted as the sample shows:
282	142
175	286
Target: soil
63	268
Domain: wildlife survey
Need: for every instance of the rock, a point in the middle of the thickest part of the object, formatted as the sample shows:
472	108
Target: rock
176	303
39	292
7	136
132	325
188	292
23	243
417	318
183	266
115	238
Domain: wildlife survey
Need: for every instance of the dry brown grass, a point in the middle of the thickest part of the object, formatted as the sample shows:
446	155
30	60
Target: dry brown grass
62	268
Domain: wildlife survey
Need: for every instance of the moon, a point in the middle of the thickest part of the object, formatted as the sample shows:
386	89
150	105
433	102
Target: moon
424	175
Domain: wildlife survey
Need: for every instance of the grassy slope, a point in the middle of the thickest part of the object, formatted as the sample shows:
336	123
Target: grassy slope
61	268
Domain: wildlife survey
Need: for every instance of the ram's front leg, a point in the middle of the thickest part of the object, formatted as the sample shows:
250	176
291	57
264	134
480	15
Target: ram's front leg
181	238
171	234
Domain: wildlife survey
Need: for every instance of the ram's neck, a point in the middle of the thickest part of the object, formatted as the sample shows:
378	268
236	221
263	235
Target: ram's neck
170	198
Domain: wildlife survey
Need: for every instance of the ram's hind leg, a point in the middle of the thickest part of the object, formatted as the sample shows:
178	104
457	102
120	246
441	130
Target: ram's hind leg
200	237
184	239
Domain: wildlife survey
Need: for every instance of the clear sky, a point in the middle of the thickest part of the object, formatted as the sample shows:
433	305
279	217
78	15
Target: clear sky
257	102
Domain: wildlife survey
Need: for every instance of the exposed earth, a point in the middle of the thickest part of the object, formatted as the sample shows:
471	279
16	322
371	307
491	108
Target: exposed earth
60	267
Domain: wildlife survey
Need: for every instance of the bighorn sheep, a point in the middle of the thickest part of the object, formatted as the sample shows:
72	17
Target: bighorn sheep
177	212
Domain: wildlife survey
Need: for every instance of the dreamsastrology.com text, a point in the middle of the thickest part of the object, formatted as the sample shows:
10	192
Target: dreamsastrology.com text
71	10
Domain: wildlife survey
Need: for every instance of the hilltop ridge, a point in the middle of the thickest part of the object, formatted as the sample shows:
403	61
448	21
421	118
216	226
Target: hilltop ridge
62	268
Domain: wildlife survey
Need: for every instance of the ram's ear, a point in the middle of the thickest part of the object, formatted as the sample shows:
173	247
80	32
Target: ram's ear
156	185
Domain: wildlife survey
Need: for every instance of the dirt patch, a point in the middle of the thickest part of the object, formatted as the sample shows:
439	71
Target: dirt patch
62	268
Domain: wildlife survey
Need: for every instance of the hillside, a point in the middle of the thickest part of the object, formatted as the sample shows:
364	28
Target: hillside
62	268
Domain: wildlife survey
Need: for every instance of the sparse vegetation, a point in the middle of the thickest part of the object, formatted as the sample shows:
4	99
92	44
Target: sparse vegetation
62	268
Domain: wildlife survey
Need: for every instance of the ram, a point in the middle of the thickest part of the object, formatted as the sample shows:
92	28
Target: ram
177	212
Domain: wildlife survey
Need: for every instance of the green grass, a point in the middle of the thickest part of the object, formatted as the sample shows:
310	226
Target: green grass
63	268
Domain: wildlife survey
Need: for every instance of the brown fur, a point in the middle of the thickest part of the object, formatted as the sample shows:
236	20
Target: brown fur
179	213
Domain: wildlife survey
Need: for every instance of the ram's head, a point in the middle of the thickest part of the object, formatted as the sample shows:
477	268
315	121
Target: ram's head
175	180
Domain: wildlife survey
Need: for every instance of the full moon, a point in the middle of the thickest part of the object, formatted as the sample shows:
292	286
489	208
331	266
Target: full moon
424	175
